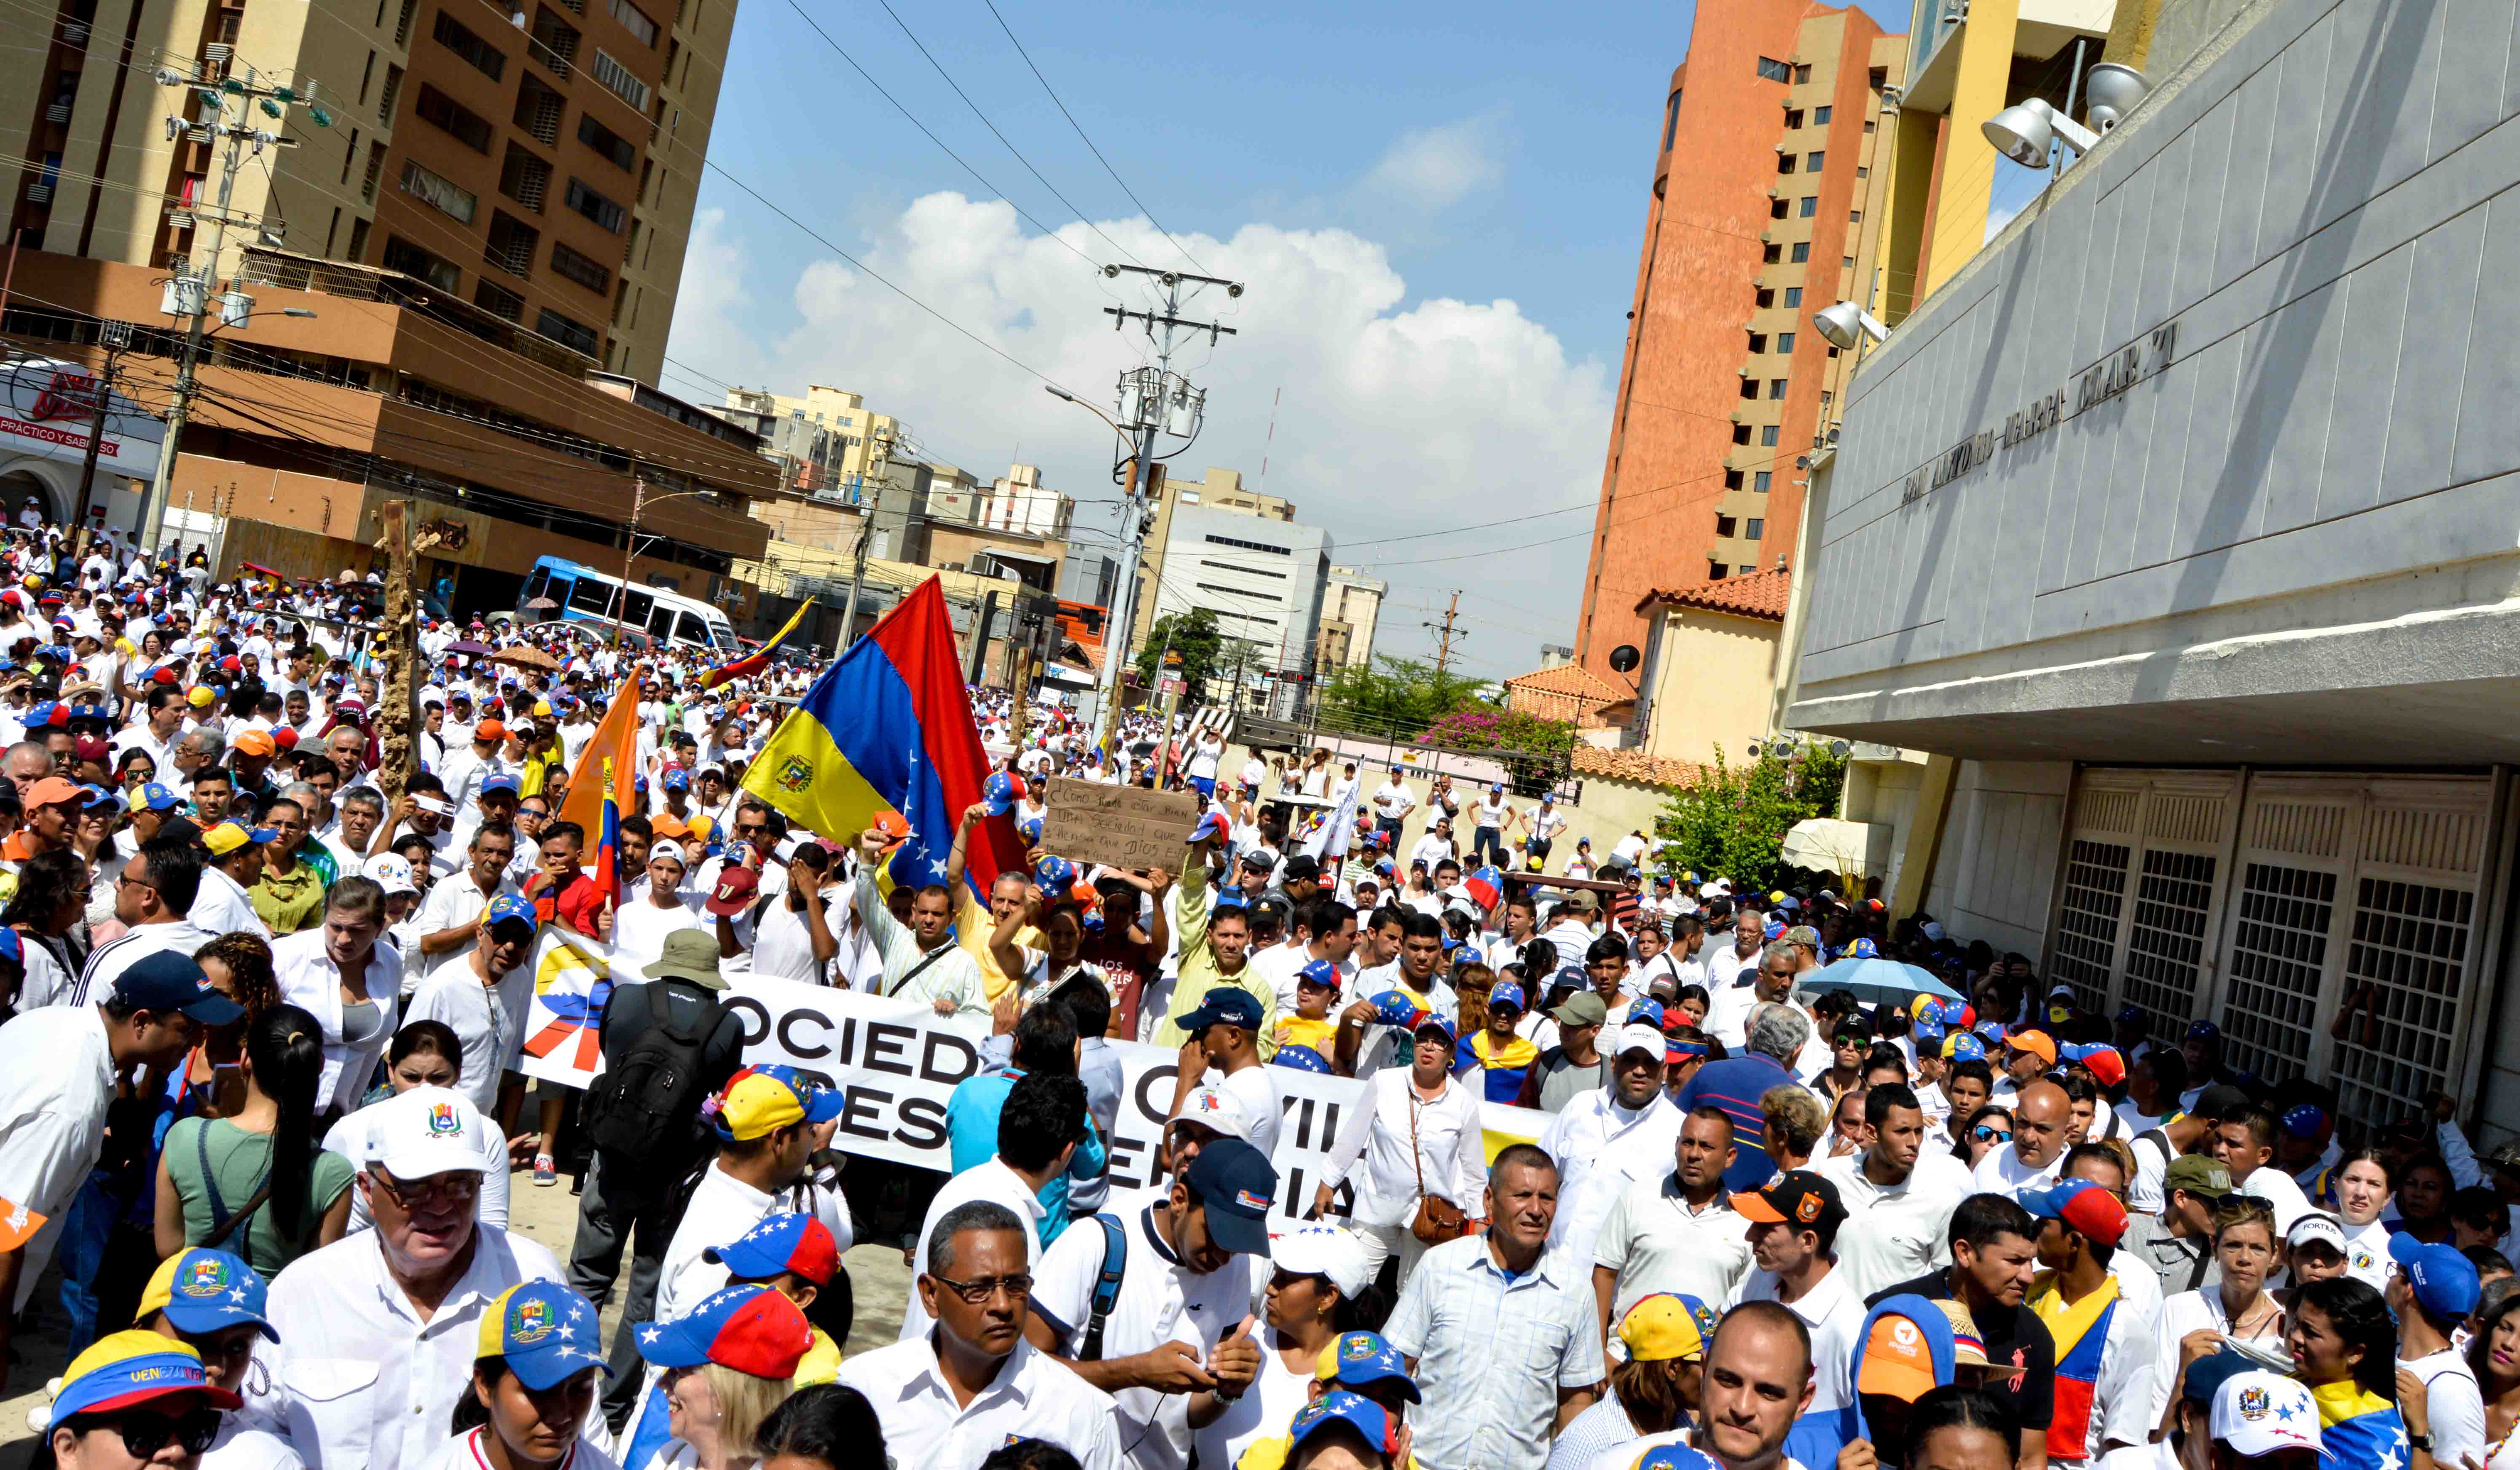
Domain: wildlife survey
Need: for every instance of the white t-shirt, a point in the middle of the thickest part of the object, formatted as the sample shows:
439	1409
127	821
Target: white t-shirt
1835	1314
1257	1091
2454	1404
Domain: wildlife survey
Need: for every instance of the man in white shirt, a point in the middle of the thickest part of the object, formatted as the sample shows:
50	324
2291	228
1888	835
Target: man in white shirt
1193	1263
920	960
450	917
1899	1196
1039	1129
466	998
1610	1138
378	1331
1393	800
2245	1139
2433	1291
1678	1233
948	1398
2037	1151
1794	1226
154	899
59	1066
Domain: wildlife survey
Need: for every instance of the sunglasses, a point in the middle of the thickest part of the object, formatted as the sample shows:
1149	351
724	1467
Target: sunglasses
1985	1134
144	1433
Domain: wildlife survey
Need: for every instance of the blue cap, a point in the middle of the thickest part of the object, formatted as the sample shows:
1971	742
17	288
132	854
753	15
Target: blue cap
1991	1030
1355	1410
1963	1047
126	1369
12	948
2304	1121
781	1243
546	1332
2127	1015
1647	1012
1927	1026
1030	827
172	981
1674	1458
1301	1059
1506	994
98	796
157	797
1224	1005
1365	1357
2203	1029
1056	874
1319	972
1863	950
1236	1184
509	908
204	1291
2207	1375
999	793
1570	976
2444	1282
678	779
501	782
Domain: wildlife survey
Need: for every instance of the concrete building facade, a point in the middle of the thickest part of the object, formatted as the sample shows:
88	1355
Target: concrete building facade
1351	605
1221	490
2174	527
1265	580
1765	209
545	172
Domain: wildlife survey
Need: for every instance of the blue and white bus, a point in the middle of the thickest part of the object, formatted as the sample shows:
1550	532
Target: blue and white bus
585	595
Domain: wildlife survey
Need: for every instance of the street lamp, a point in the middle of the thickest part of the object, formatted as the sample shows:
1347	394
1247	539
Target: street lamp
640	500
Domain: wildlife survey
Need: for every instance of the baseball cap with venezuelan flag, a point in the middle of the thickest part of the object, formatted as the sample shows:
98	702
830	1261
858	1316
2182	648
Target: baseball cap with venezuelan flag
764	1098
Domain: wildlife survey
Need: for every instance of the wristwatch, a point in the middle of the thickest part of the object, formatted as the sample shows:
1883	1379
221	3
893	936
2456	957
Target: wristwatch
2423	1441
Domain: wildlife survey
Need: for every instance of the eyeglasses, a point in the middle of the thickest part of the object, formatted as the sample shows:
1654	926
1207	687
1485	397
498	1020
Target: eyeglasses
459	1188
1984	1135
125	880
144	1433
979	1293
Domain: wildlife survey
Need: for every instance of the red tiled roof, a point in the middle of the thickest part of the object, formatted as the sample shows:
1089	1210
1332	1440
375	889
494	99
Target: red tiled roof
1635	765
1761	594
1571	679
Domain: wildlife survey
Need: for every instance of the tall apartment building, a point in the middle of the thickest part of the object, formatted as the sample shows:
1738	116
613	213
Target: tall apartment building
540	163
1221	490
1350	605
1264	577
853	437
1766	208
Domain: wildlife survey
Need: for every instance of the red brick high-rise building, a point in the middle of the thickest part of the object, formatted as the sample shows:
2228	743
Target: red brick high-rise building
1766	206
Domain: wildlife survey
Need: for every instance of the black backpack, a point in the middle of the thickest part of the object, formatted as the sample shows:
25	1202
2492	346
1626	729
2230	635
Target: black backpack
647	1104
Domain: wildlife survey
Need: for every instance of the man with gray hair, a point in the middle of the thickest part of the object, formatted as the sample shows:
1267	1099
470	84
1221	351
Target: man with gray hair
202	749
1770	981
1775	1032
362	812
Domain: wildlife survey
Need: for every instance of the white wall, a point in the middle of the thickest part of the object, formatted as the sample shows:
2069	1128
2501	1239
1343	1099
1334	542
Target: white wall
1997	870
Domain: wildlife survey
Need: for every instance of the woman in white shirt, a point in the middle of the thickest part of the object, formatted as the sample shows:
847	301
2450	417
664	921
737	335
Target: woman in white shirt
1419	1136
2195	1323
2362	1190
1317	1272
423	1054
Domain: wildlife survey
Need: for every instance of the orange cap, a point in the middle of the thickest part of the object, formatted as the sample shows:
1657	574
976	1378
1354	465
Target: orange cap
894	827
254	742
2036	1043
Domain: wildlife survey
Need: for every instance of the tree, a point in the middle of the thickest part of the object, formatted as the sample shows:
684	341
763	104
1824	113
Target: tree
1194	636
1481	726
1393	697
1733	819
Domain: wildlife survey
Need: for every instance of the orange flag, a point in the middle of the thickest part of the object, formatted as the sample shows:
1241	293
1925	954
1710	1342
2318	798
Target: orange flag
616	742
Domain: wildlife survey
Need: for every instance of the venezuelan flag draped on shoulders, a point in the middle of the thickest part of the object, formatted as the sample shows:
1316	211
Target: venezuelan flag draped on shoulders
2358	1429
889	727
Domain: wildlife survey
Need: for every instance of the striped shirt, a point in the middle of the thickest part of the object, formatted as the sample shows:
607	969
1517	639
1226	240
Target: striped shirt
1736	1084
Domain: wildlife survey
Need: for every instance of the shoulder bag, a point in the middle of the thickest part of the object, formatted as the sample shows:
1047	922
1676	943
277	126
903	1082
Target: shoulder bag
1438	1220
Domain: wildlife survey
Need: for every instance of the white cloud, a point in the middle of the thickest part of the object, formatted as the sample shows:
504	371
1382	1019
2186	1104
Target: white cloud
1436	167
1397	418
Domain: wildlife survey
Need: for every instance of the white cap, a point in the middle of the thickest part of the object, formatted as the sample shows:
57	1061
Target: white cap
668	847
392	873
1641	1038
424	1133
1324	1250
2316	1226
1220	1111
2258	1413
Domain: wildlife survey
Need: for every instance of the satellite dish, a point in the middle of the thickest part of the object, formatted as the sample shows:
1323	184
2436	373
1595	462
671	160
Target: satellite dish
1840	749
1624	658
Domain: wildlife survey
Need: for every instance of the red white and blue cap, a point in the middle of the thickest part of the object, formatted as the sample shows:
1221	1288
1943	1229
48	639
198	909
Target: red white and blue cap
1365	1357
750	1329
1339	1406
1486	886
1000	793
797	1243
1211	824
125	1369
1321	972
547	1333
204	1291
1674	1458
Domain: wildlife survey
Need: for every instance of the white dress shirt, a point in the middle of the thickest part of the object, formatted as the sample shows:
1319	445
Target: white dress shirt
368	1382
994	1183
56	1082
222	907
1602	1150
106	963
453	904
2003	1173
1835	1314
1450	1155
1031	1397
1653	1241
479	1017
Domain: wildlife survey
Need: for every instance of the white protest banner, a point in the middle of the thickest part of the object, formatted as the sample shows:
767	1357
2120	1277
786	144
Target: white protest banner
898	1062
573	980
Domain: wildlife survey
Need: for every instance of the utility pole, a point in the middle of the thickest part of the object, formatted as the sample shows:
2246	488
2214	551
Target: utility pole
188	295
878	451
1443	650
1153	401
115	337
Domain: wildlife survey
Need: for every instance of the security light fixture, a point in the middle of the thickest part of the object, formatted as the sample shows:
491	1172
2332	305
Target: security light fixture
1845	324
2111	92
2023	132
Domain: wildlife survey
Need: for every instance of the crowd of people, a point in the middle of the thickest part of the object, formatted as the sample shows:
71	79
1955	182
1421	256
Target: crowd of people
262	1108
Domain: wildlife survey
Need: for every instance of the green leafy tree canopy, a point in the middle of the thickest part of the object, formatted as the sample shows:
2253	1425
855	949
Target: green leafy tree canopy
1733	820
1194	636
1393	697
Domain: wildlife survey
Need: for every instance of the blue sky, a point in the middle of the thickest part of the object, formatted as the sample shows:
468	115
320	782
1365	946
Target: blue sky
1437	210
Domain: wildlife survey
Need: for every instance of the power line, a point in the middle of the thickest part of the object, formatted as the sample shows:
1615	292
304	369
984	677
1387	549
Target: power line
1000	137
1088	142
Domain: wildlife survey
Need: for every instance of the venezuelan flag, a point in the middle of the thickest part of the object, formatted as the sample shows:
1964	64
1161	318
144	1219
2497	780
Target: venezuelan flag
757	660
604	783
889	725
